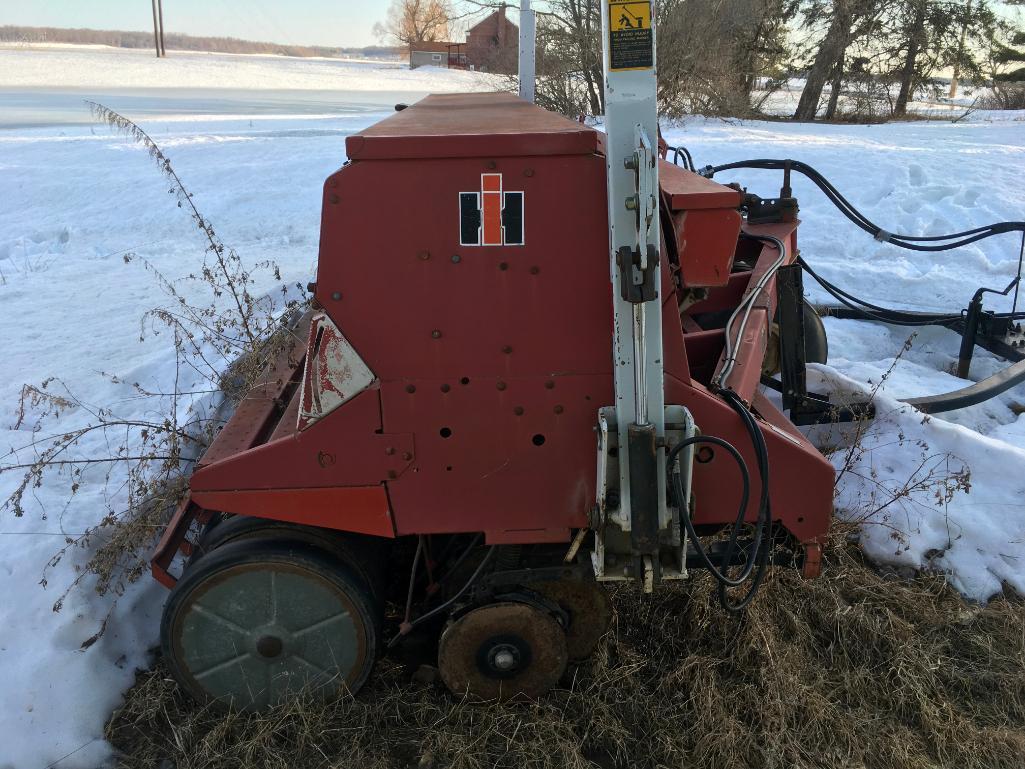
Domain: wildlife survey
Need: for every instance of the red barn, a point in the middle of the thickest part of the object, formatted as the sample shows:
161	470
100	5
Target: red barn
492	45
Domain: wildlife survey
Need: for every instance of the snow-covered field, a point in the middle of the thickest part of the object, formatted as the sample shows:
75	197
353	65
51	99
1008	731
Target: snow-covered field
75	199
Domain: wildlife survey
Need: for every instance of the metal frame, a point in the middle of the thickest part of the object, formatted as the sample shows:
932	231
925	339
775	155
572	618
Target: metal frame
631	125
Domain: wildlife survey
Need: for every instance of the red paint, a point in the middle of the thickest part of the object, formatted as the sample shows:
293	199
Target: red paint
490	368
491	210
365	508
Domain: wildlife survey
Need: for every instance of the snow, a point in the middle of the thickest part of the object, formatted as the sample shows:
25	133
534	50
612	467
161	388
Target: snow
76	199
72	67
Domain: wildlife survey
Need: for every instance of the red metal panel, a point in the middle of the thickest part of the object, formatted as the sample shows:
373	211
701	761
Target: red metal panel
801	482
259	413
425	307
511	456
485	125
707	239
688	191
346	448
362	509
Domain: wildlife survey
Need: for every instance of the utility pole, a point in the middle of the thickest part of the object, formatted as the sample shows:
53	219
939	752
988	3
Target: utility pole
156	28
527	48
160	14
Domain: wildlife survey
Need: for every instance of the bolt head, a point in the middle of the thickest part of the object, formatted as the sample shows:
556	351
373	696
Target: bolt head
336	295
505	660
436	334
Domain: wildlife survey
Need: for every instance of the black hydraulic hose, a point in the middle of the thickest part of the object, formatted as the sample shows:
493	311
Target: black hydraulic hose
718	572
911	242
881	314
757	561
678	152
764	505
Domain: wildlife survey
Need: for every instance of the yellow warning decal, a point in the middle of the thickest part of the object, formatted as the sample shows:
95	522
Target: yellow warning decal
629	14
631	43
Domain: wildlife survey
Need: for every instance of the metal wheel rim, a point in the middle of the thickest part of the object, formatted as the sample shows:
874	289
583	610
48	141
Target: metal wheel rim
254	633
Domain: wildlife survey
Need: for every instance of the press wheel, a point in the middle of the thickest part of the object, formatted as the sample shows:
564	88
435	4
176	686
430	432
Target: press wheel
589	609
255	622
361	554
502	651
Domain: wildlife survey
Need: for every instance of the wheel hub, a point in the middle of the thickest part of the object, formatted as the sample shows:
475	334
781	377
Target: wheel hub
503	656
269	646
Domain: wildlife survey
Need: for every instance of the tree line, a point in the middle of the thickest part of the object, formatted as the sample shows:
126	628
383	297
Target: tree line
851	59
178	42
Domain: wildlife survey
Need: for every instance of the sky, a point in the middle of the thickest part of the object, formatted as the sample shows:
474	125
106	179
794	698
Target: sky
342	23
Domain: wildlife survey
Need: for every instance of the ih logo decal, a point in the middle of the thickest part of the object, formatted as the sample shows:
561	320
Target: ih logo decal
491	217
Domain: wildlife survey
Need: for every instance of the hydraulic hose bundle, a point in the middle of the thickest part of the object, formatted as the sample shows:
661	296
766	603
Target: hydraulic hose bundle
757	560
928	243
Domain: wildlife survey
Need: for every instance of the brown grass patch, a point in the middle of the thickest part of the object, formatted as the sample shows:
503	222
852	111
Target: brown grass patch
851	670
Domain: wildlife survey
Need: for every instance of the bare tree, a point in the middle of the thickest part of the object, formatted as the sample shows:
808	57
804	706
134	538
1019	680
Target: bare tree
415	21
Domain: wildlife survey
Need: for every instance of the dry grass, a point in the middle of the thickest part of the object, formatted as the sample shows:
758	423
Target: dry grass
851	670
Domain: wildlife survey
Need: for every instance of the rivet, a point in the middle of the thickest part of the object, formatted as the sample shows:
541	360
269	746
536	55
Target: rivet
336	296
550	384
423	256
407	456
535	270
445	388
558	409
410	388
392	475
518	411
492	165
501	385
528	172
503	266
456	258
389	451
332	198
436	334
507	349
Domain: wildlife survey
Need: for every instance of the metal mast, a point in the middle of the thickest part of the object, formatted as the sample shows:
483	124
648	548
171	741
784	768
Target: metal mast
631	125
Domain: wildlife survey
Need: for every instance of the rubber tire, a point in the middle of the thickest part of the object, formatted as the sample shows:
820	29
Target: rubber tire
233	554
816	345
359	552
